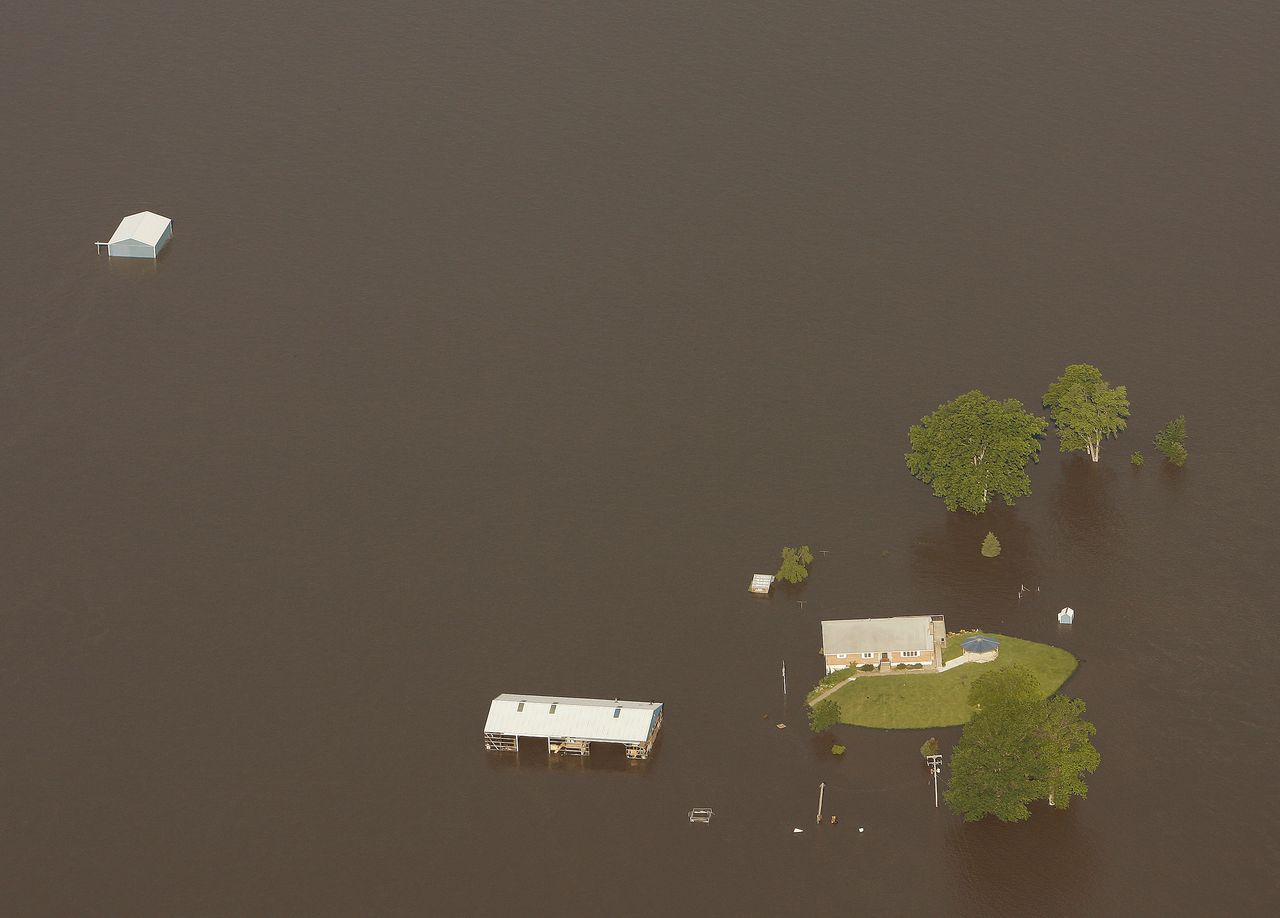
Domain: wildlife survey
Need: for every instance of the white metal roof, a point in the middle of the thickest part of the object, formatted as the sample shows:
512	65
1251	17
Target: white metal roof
877	635
760	583
145	227
576	718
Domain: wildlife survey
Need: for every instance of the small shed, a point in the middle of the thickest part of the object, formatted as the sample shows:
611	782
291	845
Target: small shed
1066	616
761	583
140	235
980	648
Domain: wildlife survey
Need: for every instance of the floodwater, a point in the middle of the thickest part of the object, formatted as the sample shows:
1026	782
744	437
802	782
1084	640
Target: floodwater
499	344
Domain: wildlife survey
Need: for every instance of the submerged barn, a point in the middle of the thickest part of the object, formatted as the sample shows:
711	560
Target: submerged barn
139	236
571	725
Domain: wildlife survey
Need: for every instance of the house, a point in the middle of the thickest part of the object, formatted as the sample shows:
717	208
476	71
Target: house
571	725
884	642
140	235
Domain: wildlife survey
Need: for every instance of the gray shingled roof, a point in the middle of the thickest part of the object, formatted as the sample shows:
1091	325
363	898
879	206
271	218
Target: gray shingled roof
877	635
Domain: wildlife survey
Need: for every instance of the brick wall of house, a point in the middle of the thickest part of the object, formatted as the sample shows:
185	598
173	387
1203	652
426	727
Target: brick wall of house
855	659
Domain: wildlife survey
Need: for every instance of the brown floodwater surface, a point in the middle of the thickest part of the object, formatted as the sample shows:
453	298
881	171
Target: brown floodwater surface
498	344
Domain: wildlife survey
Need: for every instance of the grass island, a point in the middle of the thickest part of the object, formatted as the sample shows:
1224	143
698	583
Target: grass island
914	700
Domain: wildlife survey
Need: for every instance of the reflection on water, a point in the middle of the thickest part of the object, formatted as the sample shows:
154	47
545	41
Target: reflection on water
133	268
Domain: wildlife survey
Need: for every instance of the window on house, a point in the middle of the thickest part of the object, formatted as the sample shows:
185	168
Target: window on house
841	656
617	712
520	708
909	653
868	656
553	709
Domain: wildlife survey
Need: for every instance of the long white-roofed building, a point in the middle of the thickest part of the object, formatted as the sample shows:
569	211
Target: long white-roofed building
140	235
571	725
914	641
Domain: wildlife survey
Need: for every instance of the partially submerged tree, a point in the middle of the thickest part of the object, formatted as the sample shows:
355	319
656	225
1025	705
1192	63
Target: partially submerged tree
824	715
1136	459
990	546
994	767
929	748
1068	753
1018	748
974	448
1085	409
794	561
1172	441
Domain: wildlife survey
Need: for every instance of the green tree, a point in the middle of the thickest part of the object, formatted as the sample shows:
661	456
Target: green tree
824	715
1018	748
794	561
1136	459
990	546
1014	683
1068	752
1172	441
995	767
974	448
929	748
1085	409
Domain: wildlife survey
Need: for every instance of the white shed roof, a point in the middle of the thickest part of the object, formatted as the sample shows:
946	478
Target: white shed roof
877	635
577	718
145	227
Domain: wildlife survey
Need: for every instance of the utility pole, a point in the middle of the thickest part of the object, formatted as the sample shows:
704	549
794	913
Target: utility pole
935	766
784	680
821	788
800	603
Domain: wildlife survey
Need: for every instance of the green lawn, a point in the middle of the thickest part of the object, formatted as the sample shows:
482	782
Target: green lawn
954	648
913	700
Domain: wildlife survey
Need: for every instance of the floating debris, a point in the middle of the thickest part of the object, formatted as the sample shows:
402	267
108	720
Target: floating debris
700	814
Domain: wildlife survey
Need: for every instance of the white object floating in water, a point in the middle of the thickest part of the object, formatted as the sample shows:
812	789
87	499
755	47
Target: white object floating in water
794	831
860	829
1066	616
761	583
